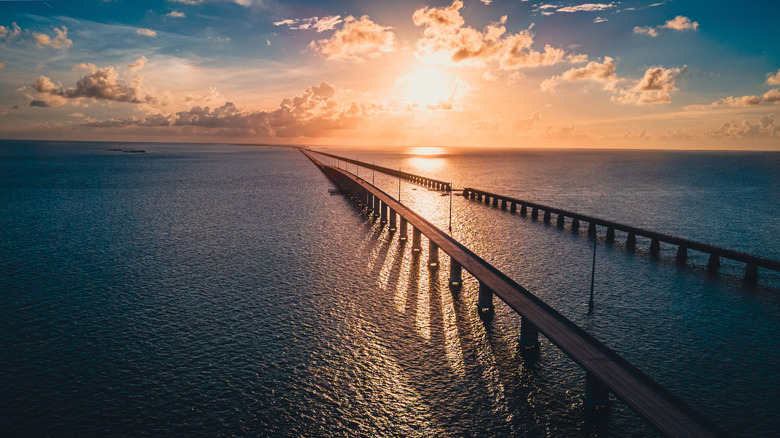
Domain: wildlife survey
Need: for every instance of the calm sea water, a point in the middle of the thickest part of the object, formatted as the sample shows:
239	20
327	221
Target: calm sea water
216	290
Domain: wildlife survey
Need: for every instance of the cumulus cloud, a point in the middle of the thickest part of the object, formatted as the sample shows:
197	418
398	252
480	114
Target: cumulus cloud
138	64
59	41
446	39
100	83
765	128
357	40
771	96
146	32
587	7
773	79
175	14
678	23
8	33
313	23
654	87
309	114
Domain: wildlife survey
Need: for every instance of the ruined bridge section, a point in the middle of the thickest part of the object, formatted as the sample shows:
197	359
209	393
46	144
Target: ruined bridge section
605	370
683	245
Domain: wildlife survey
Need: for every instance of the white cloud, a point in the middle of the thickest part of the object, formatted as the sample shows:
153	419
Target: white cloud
146	32
599	72
175	14
313	23
99	83
60	40
765	128
773	79
587	7
8	33
357	40
678	23
771	96
137	64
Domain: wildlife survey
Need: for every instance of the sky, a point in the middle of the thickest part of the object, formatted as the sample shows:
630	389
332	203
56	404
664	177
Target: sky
672	74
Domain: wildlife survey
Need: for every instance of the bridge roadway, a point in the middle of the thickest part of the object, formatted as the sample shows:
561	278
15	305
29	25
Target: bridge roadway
430	183
752	262
603	367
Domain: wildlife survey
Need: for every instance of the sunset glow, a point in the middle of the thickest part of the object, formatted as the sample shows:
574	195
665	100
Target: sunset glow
678	74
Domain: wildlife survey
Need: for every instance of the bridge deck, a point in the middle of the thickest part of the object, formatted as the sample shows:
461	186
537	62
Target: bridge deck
659	406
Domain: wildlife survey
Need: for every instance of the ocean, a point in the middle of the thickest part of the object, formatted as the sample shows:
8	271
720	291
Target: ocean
220	290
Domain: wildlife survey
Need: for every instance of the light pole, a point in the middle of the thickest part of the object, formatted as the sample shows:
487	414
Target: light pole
592	274
450	208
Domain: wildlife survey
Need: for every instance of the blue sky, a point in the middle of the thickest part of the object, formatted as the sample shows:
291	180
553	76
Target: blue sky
663	74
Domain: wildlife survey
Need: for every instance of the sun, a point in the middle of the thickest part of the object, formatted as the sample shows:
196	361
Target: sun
427	87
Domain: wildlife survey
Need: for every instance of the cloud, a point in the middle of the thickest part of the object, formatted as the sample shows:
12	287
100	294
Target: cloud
8	33
60	40
765	128
2	65
654	87
773	79
587	7
310	114
313	23
771	96
138	64
175	14
146	32
100	83
357	40
678	23
528	121
447	40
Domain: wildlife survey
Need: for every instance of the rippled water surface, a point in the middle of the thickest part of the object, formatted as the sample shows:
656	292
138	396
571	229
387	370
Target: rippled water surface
213	290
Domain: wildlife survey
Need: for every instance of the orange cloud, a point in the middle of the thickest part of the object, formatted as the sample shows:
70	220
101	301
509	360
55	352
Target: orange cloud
678	23
60	40
357	40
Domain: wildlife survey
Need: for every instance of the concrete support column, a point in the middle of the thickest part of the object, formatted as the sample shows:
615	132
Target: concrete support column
513	208
523	210
433	254
495	202
472	195
529	334
503	204
561	220
402	235
416	235
377	206
455	274
592	230
596	392
547	217
392	220
487	199
534	213
465	194
631	240
575	224
479	197
655	246
682	254
751	273
713	264
383	218
485	300
610	234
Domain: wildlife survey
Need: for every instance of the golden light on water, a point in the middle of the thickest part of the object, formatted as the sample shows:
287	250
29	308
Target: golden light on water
426	150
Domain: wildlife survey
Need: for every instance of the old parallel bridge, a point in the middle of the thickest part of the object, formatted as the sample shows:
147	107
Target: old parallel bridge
683	245
605	370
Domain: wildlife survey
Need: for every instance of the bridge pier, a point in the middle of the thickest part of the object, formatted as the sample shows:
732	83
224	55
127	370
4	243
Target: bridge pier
503	204
485	300
529	335
561	220
547	217
631	240
682	255
610	235
592	230
596	392
513	208
383	218
433	254
479	197
404	226
495	202
713	264
465	193
416	240
575	224
455	274
655	246
534	213
392	220
487	199
376	209
523	210
751	273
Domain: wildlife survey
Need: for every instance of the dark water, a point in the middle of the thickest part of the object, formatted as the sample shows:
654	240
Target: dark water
219	290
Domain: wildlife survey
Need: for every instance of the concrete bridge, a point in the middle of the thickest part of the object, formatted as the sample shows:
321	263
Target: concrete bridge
605	370
430	183
683	245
